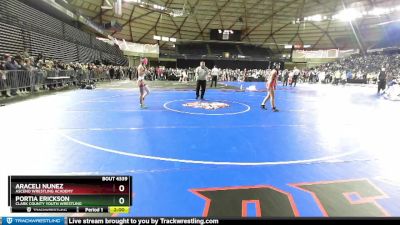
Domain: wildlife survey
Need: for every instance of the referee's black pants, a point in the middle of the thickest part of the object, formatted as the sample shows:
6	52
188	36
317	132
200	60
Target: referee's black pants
201	84
294	81
381	86
285	81
214	80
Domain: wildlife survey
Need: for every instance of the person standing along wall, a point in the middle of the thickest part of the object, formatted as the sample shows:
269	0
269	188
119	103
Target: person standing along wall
296	74
285	75
214	75
382	80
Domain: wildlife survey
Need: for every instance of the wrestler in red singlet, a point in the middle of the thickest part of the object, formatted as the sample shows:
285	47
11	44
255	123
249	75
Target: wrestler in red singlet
271	87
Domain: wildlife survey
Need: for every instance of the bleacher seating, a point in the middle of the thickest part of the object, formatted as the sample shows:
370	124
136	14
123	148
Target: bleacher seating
121	61
254	51
87	55
53	47
219	49
9	34
77	35
32	17
110	58
192	49
23	26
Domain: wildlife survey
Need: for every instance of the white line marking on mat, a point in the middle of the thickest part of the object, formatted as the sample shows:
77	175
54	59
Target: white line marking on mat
188	161
207	114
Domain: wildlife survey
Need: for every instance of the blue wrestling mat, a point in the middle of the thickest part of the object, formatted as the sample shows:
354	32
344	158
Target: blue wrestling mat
330	151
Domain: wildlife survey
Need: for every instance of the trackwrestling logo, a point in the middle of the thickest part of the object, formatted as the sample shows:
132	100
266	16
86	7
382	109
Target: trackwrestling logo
206	105
33	220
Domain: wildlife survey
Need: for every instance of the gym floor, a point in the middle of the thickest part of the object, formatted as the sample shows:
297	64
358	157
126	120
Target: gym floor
330	151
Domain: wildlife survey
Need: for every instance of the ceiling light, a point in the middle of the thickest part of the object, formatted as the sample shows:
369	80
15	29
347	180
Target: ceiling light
155	37
378	11
316	18
172	39
347	15
164	38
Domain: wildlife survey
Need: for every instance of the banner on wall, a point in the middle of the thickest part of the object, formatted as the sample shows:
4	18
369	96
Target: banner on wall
137	48
134	49
316	54
349	52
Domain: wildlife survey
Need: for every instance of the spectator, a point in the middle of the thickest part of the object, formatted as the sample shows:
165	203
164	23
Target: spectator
382	80
214	75
27	76
12	81
285	75
3	80
296	74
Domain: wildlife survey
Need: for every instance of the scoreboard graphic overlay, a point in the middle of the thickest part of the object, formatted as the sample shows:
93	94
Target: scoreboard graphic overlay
82	194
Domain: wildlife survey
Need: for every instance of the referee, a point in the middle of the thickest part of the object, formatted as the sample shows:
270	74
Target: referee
201	73
214	75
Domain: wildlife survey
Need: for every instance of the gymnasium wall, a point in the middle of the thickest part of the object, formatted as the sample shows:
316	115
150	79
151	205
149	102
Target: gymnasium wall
231	64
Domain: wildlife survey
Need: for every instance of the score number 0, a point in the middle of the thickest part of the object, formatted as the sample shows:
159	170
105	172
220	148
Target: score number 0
121	200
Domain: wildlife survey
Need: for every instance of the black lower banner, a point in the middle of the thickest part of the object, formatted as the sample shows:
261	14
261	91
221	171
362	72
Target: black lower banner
205	221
